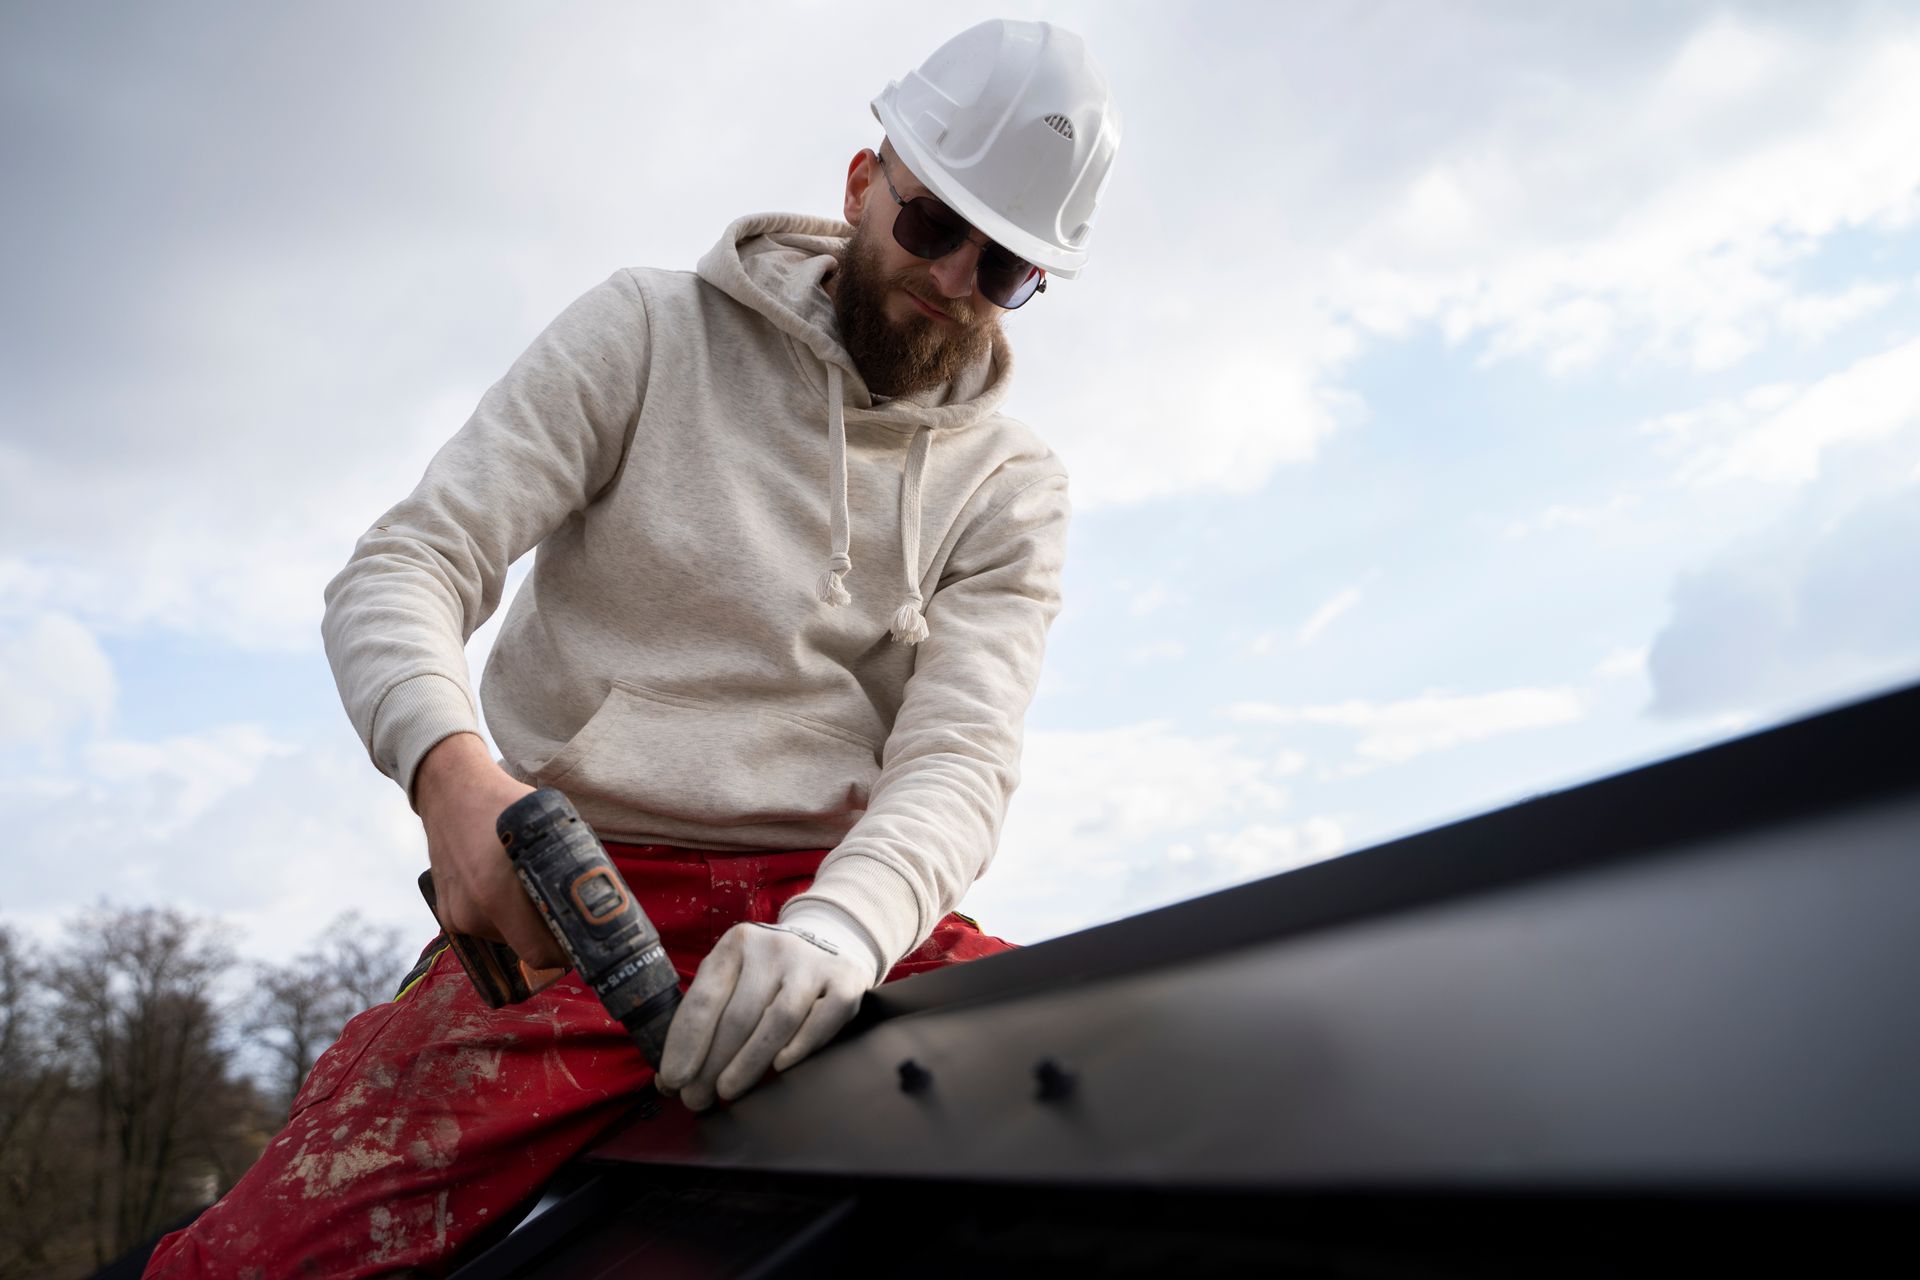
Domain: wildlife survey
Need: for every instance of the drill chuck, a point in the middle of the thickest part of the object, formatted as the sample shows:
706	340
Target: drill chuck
599	924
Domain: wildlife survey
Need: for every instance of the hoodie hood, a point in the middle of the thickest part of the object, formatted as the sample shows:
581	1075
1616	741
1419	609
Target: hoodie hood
774	264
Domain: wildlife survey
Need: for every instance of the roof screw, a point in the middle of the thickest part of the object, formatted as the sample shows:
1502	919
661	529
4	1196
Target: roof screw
913	1077
1055	1081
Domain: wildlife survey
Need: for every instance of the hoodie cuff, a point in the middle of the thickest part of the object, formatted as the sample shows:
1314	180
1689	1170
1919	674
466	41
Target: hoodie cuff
415	717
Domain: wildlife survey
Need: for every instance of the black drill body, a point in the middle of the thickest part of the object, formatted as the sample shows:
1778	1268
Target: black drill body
598	921
584	900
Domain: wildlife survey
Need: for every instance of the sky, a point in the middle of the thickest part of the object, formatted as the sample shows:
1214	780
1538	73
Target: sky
1461	402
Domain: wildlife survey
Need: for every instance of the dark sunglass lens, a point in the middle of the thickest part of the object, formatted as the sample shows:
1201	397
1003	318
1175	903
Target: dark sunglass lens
1006	281
928	229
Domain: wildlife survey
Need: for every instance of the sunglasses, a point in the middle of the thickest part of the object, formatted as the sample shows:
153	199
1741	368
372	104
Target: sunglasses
928	229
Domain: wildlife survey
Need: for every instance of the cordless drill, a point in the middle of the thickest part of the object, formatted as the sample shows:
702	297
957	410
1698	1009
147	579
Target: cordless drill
598	921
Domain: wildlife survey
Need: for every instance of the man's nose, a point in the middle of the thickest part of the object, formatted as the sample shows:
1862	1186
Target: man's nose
954	273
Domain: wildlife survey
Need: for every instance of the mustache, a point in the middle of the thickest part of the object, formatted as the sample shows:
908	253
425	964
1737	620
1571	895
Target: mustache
958	310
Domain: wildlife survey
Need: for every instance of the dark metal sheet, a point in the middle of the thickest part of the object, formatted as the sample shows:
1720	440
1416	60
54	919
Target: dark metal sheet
1728	1008
1850	755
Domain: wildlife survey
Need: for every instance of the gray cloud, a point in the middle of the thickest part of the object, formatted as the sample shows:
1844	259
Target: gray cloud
262	261
1797	615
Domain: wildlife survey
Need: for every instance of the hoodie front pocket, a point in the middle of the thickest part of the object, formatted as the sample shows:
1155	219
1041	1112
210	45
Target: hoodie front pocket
714	763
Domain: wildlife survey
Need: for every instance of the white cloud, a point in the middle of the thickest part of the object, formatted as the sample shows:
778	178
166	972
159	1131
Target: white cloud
1260	644
1200	394
1662	217
270	394
1128	784
1149	599
1631	661
172	782
1811	487
1158	651
1681	432
1576	206
1566	515
1782	437
1220	859
274	837
282	364
246	566
1094	803
1323	617
1812	317
54	679
1725	63
1288	763
1264	848
1394	732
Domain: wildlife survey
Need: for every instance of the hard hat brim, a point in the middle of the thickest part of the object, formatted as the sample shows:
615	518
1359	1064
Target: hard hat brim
1054	259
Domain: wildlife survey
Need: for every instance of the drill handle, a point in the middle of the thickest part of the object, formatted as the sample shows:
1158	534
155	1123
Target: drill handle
495	969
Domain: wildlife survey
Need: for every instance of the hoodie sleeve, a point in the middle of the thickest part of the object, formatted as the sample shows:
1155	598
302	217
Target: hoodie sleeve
544	441
952	761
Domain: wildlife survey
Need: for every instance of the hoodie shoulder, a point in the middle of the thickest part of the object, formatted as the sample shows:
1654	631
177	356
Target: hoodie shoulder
1022	463
684	304
1026	454
664	283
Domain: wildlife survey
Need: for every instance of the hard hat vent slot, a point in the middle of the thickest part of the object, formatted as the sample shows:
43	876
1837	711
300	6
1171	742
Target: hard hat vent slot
1060	125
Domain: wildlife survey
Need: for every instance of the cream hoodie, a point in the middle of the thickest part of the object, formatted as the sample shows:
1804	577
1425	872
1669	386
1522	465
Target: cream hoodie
765	612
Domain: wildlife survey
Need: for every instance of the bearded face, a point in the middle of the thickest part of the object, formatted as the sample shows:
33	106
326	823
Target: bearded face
899	357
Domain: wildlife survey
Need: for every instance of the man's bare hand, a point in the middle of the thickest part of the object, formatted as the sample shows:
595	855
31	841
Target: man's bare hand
460	794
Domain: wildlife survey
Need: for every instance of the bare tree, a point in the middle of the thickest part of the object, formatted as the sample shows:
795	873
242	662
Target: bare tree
40	1188
300	1007
136	1012
120	1106
294	1016
370	959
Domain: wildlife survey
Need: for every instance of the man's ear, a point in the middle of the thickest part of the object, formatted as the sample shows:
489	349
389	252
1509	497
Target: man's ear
860	175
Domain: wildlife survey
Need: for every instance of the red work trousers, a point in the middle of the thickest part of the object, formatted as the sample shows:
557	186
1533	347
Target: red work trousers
434	1117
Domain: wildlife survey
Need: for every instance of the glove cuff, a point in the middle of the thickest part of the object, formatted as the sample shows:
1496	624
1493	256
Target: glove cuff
830	924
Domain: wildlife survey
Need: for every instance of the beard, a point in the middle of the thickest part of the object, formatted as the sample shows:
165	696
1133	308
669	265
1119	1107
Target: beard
899	358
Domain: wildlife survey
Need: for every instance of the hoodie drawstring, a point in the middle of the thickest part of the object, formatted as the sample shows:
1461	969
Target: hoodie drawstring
833	590
909	624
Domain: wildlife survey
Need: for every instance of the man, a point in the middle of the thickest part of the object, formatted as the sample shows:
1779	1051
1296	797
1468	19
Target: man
793	582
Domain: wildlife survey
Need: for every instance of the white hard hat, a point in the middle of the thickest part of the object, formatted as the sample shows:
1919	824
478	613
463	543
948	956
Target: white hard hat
1013	126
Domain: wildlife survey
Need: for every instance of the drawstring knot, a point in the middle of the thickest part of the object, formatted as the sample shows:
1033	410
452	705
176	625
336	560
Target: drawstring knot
909	623
833	589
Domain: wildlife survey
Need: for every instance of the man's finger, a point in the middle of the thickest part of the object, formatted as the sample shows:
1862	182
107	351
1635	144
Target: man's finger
522	929
742	1015
691	1035
777	1025
829	1013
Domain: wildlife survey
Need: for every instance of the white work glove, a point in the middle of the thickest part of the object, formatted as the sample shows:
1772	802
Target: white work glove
766	995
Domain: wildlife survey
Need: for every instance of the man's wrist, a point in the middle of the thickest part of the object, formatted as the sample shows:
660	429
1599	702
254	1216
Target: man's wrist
827	923
453	756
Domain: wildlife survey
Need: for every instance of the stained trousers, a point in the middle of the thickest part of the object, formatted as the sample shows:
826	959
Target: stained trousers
434	1118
